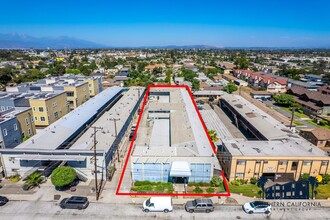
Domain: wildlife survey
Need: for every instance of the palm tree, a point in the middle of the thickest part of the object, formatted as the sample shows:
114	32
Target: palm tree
34	179
313	181
261	183
213	135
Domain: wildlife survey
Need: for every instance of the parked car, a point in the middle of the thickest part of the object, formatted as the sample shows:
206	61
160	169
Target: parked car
74	202
3	200
158	204
131	135
257	207
200	205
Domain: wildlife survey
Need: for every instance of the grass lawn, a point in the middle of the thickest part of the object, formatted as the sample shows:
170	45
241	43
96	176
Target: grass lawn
317	125
298	123
249	190
299	115
323	191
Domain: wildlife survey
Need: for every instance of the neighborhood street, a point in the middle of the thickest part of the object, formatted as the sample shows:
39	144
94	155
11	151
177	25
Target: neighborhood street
50	210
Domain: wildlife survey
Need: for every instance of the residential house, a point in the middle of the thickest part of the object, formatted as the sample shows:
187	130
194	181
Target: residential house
313	102
320	137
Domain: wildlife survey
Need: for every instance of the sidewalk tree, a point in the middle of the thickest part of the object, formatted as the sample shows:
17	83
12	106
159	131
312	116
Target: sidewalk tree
284	99
63	176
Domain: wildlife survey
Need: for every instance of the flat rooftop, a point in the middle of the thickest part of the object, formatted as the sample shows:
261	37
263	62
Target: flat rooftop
63	129
106	135
290	148
270	128
170	126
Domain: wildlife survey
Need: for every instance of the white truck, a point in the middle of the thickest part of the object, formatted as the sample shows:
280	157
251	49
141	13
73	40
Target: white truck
158	204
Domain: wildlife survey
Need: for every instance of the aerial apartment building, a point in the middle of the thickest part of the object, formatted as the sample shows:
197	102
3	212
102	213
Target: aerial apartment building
171	144
271	149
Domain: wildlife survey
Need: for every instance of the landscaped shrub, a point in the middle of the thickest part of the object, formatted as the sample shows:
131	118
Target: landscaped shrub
144	188
15	178
253	180
305	176
201	184
210	190
325	178
160	188
216	181
237	182
63	176
323	122
198	190
300	111
141	183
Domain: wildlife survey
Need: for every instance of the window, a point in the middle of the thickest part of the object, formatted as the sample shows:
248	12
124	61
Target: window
239	175
324	163
15	127
294	165
36	118
282	162
26	121
3	108
47	109
34	109
241	162
90	91
5	132
32	119
42	118
70	94
90	85
258	162
307	163
41	109
265	161
23	134
54	104
29	131
56	114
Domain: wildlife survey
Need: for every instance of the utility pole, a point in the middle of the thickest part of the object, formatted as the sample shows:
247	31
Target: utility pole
292	116
116	140
97	192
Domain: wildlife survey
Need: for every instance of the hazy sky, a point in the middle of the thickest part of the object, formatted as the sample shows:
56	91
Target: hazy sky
167	22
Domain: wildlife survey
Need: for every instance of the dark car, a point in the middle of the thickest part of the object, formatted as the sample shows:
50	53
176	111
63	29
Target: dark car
3	200
200	205
75	202
131	135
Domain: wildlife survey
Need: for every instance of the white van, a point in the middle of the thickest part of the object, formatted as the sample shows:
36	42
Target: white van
158	204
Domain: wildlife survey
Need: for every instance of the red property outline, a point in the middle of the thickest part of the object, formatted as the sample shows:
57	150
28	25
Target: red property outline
132	143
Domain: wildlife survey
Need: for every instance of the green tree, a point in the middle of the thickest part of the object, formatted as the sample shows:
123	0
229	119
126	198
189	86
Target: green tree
63	176
213	135
73	71
168	76
34	179
230	88
242	62
6	75
284	99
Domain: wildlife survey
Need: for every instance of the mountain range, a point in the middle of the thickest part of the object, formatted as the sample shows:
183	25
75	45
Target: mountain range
22	41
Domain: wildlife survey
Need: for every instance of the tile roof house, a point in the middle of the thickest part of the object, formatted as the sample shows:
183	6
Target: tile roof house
319	137
313	102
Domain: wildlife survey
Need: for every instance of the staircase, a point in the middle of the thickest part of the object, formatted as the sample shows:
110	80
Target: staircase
179	188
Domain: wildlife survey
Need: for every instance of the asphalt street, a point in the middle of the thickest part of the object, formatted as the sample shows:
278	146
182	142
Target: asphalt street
50	210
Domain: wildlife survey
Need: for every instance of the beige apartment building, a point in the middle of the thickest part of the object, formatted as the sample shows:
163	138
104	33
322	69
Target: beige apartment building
25	119
93	86
48	107
77	94
276	159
